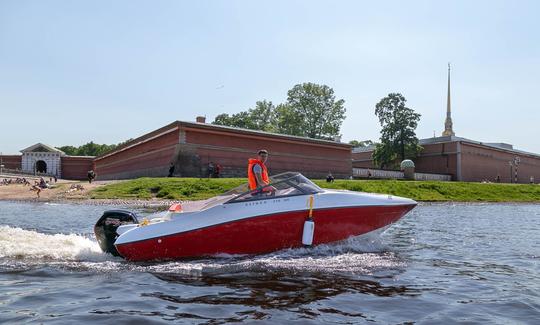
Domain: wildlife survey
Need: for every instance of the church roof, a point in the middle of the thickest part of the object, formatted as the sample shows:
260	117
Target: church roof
40	147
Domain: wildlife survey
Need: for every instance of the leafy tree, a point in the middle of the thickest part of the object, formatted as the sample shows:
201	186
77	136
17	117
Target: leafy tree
356	143
311	110
69	150
240	120
398	137
317	108
262	117
287	121
90	149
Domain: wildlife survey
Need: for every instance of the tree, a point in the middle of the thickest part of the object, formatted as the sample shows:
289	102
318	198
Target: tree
240	120
287	121
90	149
262	117
356	143
311	110
315	106
398	137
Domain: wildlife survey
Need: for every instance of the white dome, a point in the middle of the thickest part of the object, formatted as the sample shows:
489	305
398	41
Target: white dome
407	163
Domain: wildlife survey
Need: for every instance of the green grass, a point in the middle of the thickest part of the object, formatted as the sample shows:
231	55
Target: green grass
443	191
199	189
166	188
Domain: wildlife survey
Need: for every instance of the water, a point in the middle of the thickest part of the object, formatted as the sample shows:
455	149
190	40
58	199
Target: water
443	263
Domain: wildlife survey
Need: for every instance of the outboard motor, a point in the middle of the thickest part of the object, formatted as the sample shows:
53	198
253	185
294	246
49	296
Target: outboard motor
105	228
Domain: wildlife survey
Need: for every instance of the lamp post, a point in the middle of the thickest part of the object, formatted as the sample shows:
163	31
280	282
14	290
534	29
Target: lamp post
516	163
511	164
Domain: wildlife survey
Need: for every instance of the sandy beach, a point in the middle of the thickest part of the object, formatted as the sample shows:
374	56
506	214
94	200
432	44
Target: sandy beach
68	191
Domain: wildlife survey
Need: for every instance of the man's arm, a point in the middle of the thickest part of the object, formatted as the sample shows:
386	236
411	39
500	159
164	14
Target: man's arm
258	176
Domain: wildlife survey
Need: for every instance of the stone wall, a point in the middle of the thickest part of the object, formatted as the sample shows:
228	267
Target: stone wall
11	161
74	167
148	157
469	162
232	151
484	163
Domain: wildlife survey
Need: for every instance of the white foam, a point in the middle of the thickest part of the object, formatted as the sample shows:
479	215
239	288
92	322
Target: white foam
17	243
356	255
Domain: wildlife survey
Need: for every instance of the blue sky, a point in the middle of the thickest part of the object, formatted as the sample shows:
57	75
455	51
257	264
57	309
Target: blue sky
105	71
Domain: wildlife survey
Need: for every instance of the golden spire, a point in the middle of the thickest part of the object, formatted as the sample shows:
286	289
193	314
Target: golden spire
448	131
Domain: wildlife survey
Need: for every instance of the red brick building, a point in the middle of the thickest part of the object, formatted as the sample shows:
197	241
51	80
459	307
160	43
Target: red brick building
190	147
467	160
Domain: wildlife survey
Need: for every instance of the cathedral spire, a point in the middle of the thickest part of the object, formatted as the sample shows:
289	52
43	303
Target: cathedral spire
448	122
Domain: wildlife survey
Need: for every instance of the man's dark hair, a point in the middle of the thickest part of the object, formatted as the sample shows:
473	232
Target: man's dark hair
262	151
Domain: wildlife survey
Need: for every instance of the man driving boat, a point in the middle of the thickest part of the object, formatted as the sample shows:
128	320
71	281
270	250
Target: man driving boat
258	173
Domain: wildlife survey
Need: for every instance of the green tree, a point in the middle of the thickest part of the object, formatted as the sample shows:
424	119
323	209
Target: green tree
316	108
261	117
287	121
90	149
69	150
398	137
311	110
239	120
356	143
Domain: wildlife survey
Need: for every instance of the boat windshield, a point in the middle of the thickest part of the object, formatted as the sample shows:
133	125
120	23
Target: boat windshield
285	184
281	185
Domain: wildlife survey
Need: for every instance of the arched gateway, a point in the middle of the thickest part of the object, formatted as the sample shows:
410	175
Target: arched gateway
41	166
41	158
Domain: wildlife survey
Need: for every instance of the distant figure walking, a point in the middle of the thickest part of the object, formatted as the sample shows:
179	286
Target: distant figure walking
210	169
171	170
91	176
217	170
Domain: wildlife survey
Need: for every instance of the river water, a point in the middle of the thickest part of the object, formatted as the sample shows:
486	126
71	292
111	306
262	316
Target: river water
442	263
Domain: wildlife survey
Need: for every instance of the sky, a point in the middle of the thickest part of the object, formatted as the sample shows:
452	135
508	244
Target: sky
106	71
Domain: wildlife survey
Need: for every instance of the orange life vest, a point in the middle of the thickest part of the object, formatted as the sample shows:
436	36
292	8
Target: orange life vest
251	175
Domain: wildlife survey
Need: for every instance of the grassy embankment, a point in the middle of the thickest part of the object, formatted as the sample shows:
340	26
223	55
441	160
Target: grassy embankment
198	189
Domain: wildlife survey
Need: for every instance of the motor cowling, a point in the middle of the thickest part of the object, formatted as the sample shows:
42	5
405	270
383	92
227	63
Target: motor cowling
106	226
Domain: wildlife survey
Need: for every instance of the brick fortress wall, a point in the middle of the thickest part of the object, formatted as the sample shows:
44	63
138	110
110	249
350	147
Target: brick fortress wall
232	151
12	161
74	167
149	155
190	147
481	163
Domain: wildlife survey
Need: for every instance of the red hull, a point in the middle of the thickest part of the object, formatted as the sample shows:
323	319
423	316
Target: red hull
264	234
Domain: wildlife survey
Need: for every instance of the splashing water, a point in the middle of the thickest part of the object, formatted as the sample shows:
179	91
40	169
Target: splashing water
20	247
17	243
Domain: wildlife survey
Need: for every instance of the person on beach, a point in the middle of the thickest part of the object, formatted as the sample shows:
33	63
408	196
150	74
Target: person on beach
91	176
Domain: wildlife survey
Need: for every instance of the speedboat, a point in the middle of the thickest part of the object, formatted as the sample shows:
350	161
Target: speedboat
290	212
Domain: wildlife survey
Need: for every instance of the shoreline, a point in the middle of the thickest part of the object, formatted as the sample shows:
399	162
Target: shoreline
158	203
62	192
163	192
139	203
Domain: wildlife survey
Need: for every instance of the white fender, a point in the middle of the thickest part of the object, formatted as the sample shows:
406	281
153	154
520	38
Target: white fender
309	230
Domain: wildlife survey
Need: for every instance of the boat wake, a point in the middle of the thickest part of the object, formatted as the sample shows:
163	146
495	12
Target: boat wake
32	246
22	249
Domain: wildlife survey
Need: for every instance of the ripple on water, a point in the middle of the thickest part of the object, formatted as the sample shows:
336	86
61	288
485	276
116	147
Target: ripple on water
443	263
